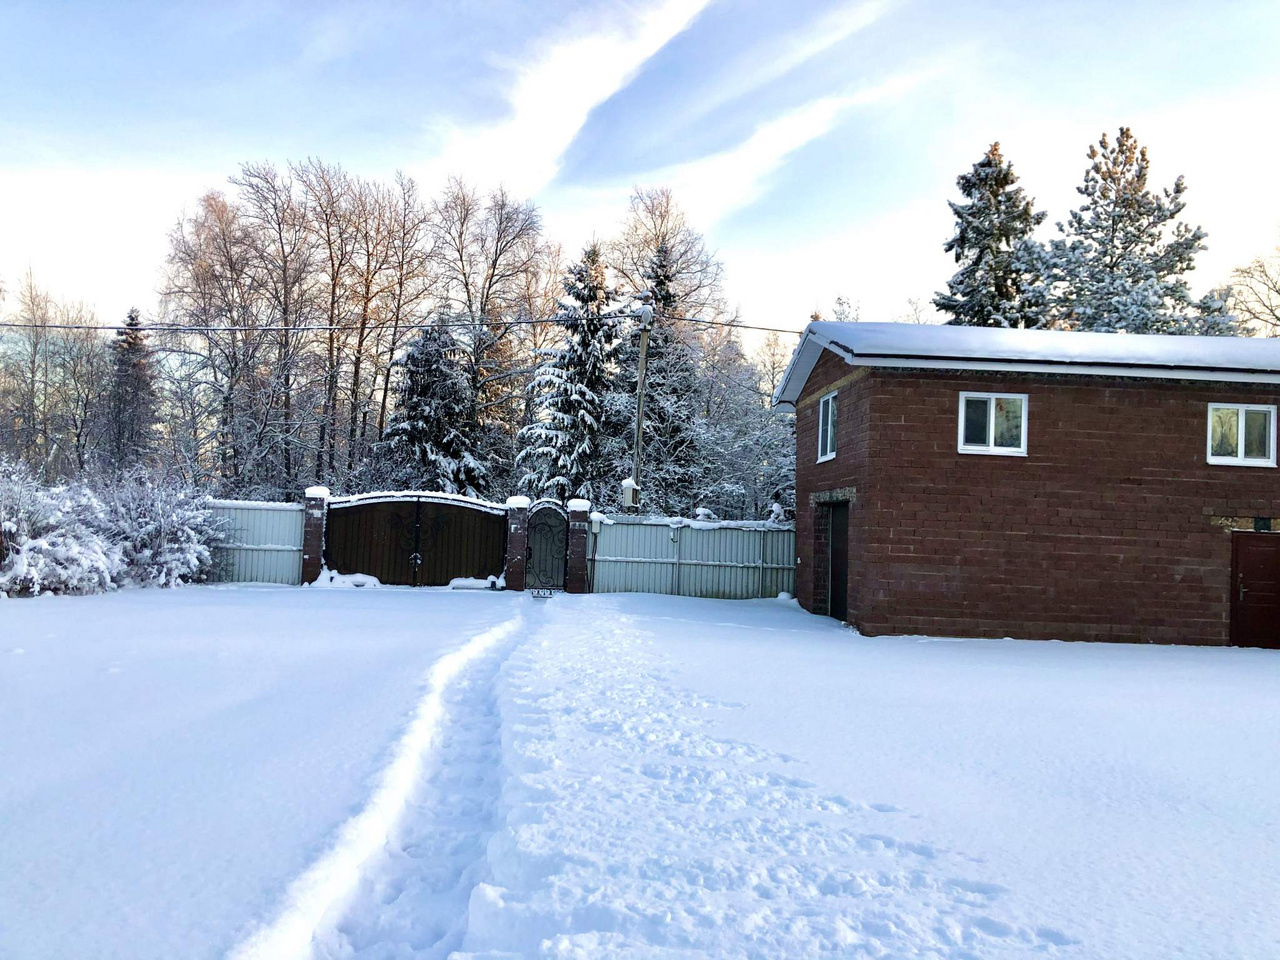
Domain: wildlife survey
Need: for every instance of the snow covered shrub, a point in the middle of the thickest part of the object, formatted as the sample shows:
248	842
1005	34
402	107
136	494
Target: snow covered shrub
165	531
51	540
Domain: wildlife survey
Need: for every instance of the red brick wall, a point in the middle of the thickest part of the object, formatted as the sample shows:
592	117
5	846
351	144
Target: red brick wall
1112	528
848	469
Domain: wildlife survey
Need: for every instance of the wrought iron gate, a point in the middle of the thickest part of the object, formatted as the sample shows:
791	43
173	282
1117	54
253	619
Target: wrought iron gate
548	550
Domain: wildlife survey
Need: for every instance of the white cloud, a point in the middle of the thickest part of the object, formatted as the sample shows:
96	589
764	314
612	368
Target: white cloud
550	100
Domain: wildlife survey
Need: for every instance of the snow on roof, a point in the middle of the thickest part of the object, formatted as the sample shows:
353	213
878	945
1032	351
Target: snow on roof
1030	351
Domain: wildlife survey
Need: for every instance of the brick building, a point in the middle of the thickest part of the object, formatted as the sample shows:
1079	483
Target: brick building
960	481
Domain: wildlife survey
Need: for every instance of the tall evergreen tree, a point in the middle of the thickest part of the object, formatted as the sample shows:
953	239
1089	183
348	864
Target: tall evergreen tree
1000	281
560	449
431	441
1121	263
132	396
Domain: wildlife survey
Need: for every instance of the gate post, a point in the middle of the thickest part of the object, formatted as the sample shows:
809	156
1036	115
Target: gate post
314	514
517	542
575	574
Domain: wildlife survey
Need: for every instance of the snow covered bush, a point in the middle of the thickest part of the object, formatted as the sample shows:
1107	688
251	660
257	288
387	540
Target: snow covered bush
165	532
51	539
67	539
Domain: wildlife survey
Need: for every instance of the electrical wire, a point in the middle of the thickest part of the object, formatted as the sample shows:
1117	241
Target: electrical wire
324	328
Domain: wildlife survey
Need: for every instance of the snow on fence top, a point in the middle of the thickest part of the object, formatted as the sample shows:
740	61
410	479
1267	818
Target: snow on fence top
1053	351
254	504
429	496
699	524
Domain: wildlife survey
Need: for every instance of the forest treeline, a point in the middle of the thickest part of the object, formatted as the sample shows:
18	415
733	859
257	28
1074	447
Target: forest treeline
319	327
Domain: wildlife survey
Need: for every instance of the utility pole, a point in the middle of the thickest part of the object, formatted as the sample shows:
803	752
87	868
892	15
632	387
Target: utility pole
631	489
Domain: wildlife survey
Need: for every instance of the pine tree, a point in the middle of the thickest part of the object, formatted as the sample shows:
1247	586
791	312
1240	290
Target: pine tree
431	443
132	396
999	283
1121	263
560	449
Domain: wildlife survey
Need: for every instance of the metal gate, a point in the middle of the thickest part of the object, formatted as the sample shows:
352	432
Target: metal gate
415	539
548	550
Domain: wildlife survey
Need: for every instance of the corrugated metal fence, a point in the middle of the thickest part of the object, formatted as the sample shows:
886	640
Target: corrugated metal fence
732	561
264	542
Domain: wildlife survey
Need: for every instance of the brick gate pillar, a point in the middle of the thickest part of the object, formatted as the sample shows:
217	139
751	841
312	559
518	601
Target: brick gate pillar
575	575
517	542
314	513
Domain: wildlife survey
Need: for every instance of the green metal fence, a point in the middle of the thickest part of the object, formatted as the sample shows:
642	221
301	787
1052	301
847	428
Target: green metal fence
729	560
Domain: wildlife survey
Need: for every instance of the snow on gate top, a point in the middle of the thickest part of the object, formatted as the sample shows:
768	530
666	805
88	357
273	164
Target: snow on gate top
388	496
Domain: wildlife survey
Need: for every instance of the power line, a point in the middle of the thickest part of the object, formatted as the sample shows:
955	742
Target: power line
324	328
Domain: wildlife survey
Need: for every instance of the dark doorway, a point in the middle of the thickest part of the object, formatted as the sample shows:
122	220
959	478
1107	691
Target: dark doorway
838	538
415	541
1255	589
548	549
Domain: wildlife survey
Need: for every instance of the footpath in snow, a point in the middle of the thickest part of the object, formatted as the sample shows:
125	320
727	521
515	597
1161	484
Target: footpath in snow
632	827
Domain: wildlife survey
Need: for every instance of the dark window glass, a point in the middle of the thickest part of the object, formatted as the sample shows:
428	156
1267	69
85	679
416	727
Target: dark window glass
975	421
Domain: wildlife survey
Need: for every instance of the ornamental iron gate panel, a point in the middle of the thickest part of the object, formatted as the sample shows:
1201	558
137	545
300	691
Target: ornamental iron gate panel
415	541
548	550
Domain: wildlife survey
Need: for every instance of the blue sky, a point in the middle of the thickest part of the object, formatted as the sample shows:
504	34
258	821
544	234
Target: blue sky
815	143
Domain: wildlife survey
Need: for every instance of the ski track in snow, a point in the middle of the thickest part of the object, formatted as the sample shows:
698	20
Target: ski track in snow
412	899
414	835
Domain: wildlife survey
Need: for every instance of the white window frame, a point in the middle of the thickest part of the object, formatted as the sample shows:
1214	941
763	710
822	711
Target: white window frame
822	402
1239	460
989	449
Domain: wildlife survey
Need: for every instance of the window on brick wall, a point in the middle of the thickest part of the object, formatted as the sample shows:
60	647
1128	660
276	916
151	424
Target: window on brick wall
993	423
827	427
1242	434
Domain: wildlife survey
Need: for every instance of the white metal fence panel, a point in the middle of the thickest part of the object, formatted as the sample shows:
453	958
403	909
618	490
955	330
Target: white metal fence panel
730	560
264	542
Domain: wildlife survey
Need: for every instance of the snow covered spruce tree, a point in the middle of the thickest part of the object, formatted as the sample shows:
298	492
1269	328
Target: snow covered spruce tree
560	449
1000	282
431	441
1122	260
132	397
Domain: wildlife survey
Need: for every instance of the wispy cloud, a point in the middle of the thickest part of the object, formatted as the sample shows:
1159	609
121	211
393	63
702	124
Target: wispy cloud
782	55
712	187
719	184
550	100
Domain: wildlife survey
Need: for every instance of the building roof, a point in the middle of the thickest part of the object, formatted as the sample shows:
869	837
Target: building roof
1250	359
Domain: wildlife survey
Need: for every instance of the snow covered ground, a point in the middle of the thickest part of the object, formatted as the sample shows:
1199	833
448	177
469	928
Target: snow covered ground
395	773
170	760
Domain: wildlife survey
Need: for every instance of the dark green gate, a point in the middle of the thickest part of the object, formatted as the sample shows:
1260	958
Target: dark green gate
417	540
548	546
